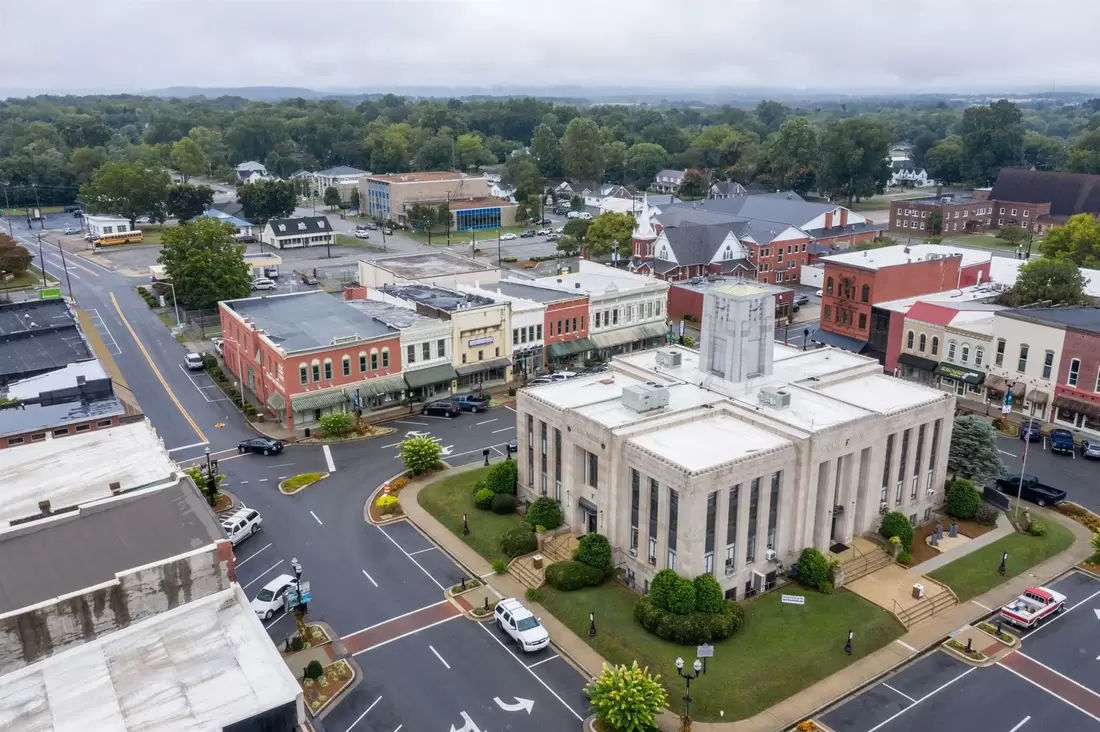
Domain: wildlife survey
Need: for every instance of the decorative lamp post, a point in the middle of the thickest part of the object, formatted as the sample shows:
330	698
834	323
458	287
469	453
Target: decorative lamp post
685	720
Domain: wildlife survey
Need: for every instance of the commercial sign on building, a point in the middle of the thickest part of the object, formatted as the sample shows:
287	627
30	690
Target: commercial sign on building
960	374
482	341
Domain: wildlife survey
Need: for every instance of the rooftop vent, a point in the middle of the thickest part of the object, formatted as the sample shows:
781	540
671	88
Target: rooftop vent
669	359
645	397
773	397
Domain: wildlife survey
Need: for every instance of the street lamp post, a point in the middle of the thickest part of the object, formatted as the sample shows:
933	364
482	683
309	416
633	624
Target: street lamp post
685	720
1027	442
300	607
175	302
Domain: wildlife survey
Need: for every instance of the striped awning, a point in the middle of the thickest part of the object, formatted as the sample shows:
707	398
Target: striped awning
377	385
317	400
276	402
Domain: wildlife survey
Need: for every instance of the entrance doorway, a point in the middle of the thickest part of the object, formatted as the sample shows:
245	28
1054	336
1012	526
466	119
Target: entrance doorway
589	520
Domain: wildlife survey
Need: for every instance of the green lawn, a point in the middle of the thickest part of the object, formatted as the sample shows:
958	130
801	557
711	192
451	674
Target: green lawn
31	278
347	240
986	240
459	238
23	211
448	498
976	573
781	650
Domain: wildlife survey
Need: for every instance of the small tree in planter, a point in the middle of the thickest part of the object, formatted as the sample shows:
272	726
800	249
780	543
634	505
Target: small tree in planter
420	454
337	424
627	699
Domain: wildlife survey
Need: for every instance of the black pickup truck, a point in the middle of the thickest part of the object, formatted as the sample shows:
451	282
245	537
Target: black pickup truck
1031	490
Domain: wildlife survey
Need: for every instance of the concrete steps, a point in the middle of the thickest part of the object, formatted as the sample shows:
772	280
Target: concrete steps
932	605
522	570
864	564
559	548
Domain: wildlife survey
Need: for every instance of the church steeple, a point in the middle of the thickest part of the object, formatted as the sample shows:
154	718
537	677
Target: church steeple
643	226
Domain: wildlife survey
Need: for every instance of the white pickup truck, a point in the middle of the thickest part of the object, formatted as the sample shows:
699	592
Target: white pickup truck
1035	605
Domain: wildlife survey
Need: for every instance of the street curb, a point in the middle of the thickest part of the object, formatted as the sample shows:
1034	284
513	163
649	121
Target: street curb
372	497
382	432
308	485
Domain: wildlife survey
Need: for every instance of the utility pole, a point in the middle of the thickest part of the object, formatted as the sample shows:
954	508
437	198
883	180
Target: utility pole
68	280
41	260
6	207
38	207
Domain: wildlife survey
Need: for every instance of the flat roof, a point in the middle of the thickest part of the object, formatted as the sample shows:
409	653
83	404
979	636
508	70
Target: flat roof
809	410
899	254
703	444
531	292
75	550
484	202
881	393
795	365
76	469
328	320
35	416
596	279
62	378
38	336
955	198
391	315
429	264
613	413
437	297
1079	318
952	298
730	286
422	176
583	390
201	666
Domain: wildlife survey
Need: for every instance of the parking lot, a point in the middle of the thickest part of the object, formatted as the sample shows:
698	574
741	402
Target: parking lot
1052	682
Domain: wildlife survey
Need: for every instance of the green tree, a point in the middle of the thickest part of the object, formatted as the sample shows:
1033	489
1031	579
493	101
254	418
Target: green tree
813	570
471	151
1014	235
1078	242
388	146
209	485
185	202
580	150
577	228
792	155
188	158
14	259
854	154
626	699
420	454
204	262
567	246
1043	152
613	154
594	550
643	161
546	150
992	138
962	499
935	222
772	114
332	197
337	424
212	144
609	231
422	216
973	450
897	524
84	161
522	172
944	160
267	199
694	184
1083	155
127	189
353	198
1045	279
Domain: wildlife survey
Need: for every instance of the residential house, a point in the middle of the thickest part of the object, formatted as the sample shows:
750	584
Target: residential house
250	171
343	177
244	229
726	189
668	181
306	231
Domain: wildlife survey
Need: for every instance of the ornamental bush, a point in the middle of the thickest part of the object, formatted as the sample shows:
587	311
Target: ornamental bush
813	569
568	576
626	698
963	499
595	551
691	629
660	590
387	504
502	477
519	541
420	454
682	599
708	594
1037	527
483	499
314	670
986	514
337	424
897	524
503	503
544	512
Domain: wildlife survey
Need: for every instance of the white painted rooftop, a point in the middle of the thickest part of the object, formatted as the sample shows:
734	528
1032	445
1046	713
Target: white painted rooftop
881	393
1005	270
703	444
948	298
793	365
72	470
583	390
62	378
809	411
613	413
901	254
201	666
596	279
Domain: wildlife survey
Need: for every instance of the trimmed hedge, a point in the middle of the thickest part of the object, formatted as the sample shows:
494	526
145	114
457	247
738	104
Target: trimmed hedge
662	586
545	512
483	499
986	515
897	524
813	570
708	594
682	599
569	576
691	629
502	477
962	499
595	551
519	541
503	503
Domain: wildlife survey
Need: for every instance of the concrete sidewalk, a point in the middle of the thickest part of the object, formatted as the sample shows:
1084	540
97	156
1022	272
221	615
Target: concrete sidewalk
809	701
1003	528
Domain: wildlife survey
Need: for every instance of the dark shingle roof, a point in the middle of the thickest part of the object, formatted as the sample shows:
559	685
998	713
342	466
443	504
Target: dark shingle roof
1067	193
1079	318
298	227
695	244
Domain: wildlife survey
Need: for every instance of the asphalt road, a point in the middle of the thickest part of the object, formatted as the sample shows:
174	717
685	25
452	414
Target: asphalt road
1051	683
1078	477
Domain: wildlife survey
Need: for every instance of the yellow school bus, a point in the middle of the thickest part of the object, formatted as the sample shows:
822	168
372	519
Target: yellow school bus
121	237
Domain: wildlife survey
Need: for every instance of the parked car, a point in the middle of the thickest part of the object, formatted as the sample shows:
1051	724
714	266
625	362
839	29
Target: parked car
143	220
597	369
540	380
219	345
1030	489
543	232
78	214
819	293
260	445
544	222
269	600
562	375
508	237
308	279
441	409
573	215
193	362
801	299
551	236
1090	449
241	524
70	230
87	236
521	625
559	229
1029	430
370	226
387	230
471	402
527	234
584	216
362	234
1034	606
1061	441
263	283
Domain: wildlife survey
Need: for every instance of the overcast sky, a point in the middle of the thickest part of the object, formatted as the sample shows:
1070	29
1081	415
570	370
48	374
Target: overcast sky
376	46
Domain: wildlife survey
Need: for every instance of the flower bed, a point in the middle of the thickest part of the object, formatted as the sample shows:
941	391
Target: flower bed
470	584
959	648
290	486
1080	514
337	676
385	504
1003	637
363	432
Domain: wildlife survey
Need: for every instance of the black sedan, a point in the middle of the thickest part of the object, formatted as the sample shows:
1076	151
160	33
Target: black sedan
441	409
261	445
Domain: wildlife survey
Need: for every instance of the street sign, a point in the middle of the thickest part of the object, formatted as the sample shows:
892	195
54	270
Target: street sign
704	651
307	595
1006	408
49	293
793	599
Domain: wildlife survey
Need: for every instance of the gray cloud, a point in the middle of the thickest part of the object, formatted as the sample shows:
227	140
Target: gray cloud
917	45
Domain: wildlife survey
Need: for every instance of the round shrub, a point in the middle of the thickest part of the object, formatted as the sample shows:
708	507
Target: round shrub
693	628
682	599
1037	527
503	503
502	477
660	590
569	576
314	670
387	504
897	524
708	594
963	499
813	568
520	540
986	514
544	512
483	499
595	551
905	558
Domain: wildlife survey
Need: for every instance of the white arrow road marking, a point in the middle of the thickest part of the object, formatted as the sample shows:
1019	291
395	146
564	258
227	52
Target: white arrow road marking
1097	611
448	449
468	725
414	433
520	705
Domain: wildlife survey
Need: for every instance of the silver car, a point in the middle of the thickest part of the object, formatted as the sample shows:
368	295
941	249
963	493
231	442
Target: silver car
1090	449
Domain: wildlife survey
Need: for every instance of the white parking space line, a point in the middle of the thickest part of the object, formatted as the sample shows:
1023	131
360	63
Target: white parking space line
56	261
418	424
983	607
903	644
262	480
273	566
311	513
1062	614
411	558
1023	721
1049	691
899	692
328	459
1006	452
505	429
275	620
537	677
539	663
392	444
97	321
498	451
421	551
398	728
281	465
251	556
188	447
201	389
441	659
370	578
360	717
935	691
486	422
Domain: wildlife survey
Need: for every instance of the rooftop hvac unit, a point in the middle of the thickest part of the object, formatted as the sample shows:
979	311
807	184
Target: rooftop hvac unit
668	359
775	398
645	397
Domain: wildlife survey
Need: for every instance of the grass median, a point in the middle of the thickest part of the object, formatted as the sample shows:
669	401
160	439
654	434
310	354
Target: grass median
975	573
449	498
781	650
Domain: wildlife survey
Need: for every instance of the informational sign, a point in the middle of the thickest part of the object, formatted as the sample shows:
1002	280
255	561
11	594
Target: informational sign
704	651
793	599
307	594
482	341
49	293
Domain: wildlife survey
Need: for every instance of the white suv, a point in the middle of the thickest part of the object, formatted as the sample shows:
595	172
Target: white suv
519	624
270	598
241	524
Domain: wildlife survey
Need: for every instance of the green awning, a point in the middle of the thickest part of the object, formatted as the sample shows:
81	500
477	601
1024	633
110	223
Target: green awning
276	401
493	363
375	386
317	400
569	348
958	373
431	375
620	336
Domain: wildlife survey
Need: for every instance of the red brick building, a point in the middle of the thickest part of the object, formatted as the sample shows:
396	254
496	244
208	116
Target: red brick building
1077	390
565	318
685	300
